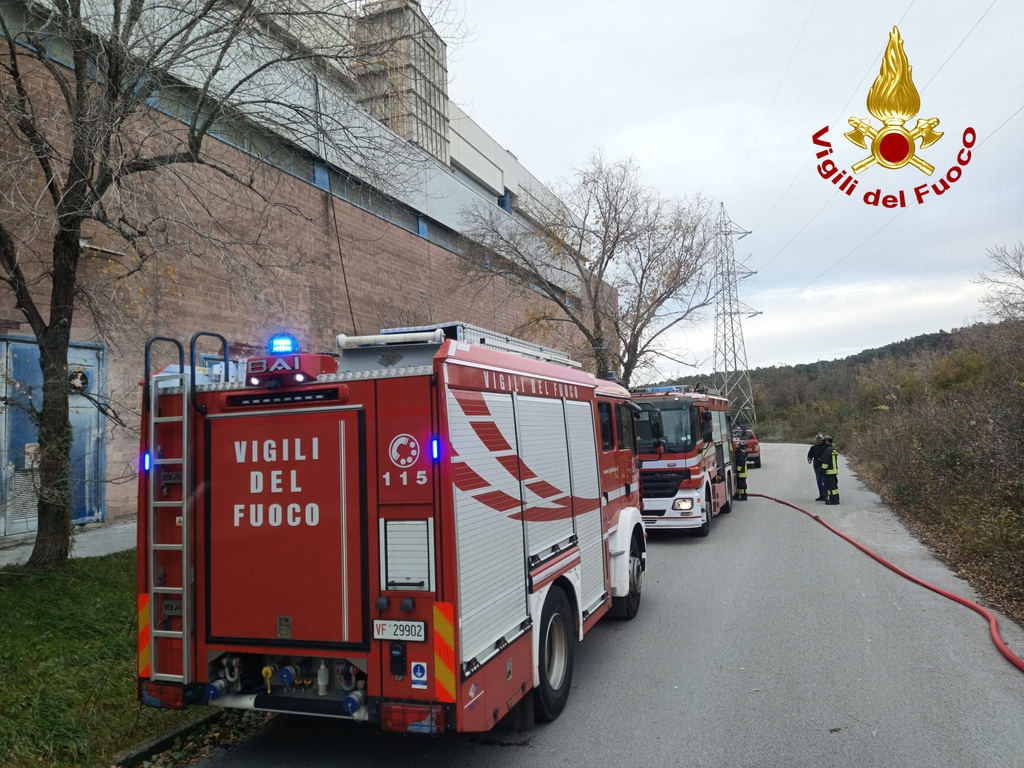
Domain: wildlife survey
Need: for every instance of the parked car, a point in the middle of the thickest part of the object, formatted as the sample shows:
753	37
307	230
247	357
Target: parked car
753	446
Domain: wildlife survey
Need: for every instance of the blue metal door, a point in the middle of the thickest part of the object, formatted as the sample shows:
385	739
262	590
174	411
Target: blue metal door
21	387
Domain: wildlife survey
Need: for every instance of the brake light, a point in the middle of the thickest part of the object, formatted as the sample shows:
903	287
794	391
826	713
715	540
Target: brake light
413	718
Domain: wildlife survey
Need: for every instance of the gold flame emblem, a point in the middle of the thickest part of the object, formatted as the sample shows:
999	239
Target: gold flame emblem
894	100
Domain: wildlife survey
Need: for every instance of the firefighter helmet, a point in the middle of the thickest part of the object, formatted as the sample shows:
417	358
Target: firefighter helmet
819	436
828	439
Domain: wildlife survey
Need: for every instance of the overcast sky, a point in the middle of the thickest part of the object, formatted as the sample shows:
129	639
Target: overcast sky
723	98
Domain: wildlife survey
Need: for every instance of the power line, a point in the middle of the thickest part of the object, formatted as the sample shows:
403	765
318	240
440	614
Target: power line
971	30
786	192
774	96
1021	107
840	261
890	221
805	226
958	47
856	90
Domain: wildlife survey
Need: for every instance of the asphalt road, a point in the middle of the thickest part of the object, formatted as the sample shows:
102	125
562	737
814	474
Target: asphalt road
772	642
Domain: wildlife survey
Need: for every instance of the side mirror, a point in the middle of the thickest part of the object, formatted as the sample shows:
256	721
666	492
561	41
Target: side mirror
655	418
707	433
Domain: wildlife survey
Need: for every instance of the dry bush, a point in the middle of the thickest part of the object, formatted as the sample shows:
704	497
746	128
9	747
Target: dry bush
938	434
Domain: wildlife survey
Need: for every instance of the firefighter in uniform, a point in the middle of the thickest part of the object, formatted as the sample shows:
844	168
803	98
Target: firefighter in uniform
741	471
814	457
830	469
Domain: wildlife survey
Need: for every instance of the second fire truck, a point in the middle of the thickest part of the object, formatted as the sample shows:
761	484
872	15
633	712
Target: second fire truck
686	469
414	534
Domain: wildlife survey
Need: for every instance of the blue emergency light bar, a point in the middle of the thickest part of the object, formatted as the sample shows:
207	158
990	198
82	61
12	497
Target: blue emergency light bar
283	344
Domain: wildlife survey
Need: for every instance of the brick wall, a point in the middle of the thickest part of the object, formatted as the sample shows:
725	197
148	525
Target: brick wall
244	264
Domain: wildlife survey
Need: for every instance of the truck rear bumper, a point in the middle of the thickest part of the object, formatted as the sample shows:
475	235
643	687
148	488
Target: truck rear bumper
401	717
327	706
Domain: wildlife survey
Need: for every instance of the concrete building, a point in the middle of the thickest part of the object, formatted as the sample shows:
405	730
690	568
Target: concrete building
350	251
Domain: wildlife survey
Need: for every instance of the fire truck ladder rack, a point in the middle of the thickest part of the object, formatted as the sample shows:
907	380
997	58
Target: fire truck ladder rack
472	334
173	380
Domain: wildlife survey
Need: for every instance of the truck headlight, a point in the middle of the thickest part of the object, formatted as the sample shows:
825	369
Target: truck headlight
682	504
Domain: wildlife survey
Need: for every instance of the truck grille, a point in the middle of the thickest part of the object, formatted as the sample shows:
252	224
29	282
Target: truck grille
662	485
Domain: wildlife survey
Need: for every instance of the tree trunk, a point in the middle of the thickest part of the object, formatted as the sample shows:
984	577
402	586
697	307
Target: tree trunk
53	537
603	360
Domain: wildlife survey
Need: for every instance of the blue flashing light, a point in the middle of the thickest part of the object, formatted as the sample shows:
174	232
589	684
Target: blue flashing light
435	448
146	461
283	344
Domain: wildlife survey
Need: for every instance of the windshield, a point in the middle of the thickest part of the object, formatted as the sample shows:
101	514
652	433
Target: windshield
676	424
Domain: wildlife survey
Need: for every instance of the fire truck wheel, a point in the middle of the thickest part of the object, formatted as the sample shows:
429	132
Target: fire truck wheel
557	644
727	507
628	606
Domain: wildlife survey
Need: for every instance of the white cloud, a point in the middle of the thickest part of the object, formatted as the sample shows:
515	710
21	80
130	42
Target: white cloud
686	87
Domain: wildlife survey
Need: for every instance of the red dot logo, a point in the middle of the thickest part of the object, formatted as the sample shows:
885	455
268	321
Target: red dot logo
894	147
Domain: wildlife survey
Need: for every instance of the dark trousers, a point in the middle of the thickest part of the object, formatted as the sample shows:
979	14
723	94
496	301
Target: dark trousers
741	489
819	478
832	489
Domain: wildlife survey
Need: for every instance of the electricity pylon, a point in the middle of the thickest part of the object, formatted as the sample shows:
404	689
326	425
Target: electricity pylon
730	360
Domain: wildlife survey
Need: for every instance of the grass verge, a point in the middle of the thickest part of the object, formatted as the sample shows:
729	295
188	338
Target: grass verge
68	665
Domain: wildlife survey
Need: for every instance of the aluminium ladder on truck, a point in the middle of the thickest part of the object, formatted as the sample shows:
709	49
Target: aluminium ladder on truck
166	471
474	334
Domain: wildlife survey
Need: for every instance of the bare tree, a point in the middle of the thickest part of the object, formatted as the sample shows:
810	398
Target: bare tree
1004	282
616	261
107	109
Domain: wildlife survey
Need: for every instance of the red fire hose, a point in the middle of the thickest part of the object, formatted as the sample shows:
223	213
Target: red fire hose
993	625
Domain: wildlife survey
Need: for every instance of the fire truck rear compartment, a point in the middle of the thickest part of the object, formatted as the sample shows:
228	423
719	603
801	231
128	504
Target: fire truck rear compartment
284	521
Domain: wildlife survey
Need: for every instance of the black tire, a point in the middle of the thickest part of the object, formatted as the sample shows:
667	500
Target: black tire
757	464
705	527
627	607
727	507
557	649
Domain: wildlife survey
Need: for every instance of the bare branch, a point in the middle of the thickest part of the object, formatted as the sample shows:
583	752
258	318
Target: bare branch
622	264
1004	283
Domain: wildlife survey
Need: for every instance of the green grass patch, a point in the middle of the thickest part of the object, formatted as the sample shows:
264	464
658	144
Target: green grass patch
68	665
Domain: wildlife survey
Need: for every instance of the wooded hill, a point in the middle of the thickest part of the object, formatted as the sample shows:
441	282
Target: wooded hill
935	425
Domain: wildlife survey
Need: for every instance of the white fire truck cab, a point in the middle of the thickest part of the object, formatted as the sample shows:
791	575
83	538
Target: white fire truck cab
415	533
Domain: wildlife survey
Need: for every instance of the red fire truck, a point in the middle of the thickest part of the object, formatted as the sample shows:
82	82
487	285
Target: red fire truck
686	469
415	533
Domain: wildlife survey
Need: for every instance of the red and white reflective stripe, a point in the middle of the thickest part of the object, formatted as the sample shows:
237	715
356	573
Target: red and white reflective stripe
555	504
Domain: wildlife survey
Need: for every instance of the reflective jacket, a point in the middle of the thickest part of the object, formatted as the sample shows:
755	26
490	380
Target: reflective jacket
741	462
830	461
